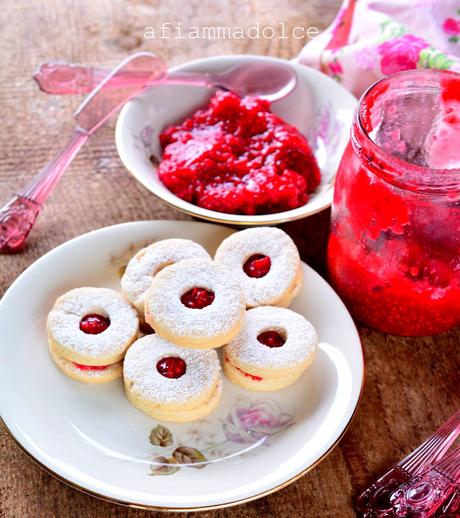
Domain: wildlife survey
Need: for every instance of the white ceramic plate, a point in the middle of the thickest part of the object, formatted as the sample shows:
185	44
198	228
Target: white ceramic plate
91	437
319	107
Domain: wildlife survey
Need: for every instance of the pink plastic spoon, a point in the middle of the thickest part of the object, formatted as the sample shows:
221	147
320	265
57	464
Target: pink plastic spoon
18	216
271	81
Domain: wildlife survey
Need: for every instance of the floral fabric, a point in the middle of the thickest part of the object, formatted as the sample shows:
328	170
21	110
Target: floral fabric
373	38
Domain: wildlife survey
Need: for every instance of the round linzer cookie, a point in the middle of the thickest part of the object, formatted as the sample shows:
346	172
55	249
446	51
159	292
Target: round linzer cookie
143	266
171	383
266	264
196	304
89	331
272	350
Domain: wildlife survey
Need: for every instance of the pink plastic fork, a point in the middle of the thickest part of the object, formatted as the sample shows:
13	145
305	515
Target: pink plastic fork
375	501
451	507
424	494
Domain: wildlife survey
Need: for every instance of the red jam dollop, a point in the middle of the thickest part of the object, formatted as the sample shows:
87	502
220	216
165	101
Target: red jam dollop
252	376
271	339
258	265
94	324
171	367
197	298
236	156
90	367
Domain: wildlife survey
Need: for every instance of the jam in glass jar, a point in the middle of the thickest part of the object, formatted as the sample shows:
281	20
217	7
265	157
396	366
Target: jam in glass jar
394	248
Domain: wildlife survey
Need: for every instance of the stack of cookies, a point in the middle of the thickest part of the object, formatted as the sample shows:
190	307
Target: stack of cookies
194	305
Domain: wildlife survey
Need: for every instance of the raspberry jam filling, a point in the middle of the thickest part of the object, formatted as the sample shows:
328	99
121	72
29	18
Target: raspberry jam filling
271	339
171	367
238	157
258	265
255	378
94	324
90	367
197	298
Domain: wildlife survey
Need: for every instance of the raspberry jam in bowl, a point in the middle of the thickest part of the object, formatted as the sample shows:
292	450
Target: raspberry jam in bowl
238	161
394	248
236	156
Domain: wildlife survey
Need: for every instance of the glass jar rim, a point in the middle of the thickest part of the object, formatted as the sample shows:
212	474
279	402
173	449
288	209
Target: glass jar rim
419	178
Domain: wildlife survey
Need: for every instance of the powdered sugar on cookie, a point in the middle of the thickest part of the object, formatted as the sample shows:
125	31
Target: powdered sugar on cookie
299	334
163	300
266	241
141	269
64	322
140	369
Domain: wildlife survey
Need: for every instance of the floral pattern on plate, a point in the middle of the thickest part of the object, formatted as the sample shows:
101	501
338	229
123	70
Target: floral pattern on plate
248	423
103	445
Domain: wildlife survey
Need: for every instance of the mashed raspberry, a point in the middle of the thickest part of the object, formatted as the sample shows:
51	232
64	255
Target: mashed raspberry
236	156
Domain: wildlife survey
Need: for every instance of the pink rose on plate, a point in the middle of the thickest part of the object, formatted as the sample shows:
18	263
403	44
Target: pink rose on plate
252	421
451	26
400	53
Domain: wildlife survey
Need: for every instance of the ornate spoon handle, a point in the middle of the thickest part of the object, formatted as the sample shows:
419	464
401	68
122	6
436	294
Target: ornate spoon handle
55	77
19	214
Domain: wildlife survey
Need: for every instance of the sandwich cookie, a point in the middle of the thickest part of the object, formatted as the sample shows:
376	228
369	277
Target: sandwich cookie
196	304
89	331
143	266
266	264
171	383
272	350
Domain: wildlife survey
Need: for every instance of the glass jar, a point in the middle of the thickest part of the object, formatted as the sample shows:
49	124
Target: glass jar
394	248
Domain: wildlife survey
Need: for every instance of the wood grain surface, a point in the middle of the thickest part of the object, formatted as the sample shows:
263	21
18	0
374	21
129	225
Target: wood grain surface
412	385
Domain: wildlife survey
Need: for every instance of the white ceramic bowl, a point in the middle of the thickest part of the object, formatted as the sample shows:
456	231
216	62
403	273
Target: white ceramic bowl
319	107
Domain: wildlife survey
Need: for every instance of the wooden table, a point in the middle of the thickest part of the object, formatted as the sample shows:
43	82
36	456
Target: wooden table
412	385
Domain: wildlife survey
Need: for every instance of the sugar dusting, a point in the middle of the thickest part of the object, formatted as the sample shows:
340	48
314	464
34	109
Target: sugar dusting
202	369
163	299
64	321
273	242
141	269
300	335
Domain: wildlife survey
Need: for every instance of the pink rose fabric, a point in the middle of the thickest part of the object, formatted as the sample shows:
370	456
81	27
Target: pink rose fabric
336	68
400	53
370	39
451	26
